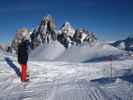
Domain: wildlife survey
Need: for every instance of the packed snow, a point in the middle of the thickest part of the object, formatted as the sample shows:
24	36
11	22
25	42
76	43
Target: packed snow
64	79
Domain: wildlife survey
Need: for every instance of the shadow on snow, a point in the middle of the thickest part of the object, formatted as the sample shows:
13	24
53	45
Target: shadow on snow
13	66
107	80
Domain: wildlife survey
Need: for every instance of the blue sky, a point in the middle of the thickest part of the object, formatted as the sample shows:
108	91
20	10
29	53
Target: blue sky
109	19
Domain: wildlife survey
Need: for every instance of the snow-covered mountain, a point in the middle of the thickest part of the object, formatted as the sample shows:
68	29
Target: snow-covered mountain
66	44
126	44
67	28
46	32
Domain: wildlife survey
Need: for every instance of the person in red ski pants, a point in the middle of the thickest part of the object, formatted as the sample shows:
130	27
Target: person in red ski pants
23	58
24	72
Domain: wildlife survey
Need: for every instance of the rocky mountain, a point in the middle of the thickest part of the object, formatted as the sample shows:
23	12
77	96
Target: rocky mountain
46	33
126	44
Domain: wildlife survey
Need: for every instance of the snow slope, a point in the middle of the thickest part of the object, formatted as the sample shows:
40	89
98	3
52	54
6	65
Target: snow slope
68	81
47	51
83	53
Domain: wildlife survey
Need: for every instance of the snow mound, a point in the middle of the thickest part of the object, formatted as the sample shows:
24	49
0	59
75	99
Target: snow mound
83	53
86	53
47	51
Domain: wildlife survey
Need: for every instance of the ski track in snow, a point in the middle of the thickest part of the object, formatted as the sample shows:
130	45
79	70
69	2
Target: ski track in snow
68	81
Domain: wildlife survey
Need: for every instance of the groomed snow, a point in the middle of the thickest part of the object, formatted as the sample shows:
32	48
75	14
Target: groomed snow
68	81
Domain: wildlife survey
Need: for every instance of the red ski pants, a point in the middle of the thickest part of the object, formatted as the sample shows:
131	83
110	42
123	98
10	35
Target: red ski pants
24	72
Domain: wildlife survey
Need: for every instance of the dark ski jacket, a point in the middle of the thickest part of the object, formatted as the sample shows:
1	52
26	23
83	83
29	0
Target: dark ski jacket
23	52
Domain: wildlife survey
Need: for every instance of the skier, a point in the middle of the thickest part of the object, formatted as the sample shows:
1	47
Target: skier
23	58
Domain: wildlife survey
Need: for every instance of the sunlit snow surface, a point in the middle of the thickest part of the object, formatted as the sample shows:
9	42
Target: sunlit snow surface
54	51
61	80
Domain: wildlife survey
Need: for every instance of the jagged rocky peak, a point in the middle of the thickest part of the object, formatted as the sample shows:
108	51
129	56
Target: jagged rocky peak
45	32
67	29
82	35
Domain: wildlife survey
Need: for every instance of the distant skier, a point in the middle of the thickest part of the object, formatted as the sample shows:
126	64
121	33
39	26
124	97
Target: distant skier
23	58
